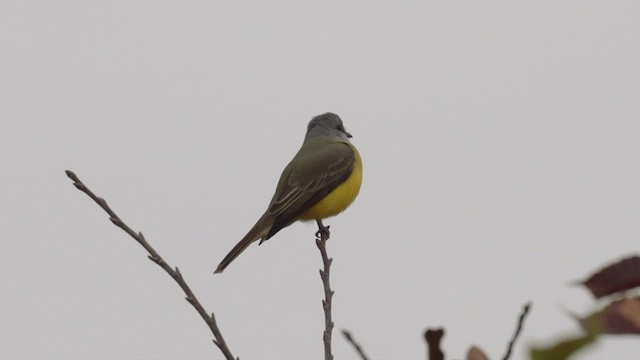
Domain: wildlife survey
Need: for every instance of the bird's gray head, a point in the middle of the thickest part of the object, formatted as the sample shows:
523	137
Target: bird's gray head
327	124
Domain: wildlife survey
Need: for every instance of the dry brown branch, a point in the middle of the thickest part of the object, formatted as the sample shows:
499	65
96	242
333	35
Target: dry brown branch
210	320
523	315
321	241
433	338
354	343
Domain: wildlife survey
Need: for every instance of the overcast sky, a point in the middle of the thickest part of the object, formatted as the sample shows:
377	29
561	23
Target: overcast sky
500	149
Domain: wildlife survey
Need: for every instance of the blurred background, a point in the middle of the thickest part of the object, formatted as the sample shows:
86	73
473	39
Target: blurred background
500	148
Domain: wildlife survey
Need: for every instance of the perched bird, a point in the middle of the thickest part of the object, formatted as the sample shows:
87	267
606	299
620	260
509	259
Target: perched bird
321	181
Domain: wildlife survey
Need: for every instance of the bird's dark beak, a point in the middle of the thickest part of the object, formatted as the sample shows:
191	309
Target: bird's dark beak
348	135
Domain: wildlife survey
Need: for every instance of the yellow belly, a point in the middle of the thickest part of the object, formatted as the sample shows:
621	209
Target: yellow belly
340	198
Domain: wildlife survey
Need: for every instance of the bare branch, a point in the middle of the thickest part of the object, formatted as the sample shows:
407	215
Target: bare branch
433	338
321	241
156	258
523	315
354	343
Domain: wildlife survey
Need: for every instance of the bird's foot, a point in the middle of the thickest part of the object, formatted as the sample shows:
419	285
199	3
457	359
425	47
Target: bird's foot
323	231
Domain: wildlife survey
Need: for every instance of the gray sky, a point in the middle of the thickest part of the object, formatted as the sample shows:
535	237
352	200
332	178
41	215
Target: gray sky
500	148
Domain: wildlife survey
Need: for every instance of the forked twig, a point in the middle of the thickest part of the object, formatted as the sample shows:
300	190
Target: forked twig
354	343
321	241
210	320
523	315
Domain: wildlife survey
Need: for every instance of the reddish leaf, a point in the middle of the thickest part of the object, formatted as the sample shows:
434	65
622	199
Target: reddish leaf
475	353
621	276
619	317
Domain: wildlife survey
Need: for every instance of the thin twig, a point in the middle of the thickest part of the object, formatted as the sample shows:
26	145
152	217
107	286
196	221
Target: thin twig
523	315
156	258
433	338
321	241
354	343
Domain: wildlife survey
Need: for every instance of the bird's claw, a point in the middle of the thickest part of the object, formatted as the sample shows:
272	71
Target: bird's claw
323	232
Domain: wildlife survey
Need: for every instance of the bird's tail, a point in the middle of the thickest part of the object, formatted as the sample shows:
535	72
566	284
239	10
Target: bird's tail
259	230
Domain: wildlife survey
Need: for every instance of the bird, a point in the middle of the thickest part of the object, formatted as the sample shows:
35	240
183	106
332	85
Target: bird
322	180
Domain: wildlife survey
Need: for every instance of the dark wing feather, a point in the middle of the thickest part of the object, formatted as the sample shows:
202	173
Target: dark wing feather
317	173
